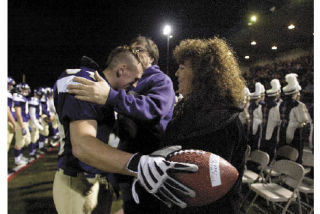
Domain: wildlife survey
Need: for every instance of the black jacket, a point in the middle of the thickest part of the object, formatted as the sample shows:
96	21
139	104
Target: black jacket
216	129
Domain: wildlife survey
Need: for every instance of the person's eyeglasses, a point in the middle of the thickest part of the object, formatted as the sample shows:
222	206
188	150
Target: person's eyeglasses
136	54
139	49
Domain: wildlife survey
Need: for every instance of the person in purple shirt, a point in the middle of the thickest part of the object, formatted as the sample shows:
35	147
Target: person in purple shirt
46	120
53	136
150	107
35	112
22	137
11	113
84	156
153	98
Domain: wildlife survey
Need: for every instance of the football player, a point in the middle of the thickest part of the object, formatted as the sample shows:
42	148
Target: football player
22	136
84	156
53	126
45	118
143	115
11	113
35	111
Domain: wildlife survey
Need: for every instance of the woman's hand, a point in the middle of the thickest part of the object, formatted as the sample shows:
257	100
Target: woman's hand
87	90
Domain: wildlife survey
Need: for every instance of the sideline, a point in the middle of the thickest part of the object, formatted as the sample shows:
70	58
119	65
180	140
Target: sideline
18	169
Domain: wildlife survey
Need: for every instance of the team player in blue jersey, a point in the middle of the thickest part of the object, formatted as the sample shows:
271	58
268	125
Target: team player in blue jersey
45	118
35	111
11	113
53	126
149	106
22	133
84	156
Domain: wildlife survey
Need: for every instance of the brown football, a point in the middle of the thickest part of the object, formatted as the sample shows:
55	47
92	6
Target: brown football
214	178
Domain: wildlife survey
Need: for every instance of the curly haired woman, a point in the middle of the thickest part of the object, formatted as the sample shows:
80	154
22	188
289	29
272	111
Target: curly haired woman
207	118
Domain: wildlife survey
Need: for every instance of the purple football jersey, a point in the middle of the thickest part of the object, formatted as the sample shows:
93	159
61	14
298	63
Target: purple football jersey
70	109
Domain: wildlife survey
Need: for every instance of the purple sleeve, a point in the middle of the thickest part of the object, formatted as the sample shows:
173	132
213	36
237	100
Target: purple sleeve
155	102
45	109
10	102
17	104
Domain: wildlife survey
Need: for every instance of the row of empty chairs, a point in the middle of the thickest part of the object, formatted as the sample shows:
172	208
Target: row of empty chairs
280	181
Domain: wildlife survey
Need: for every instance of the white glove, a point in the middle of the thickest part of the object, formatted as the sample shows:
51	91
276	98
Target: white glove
153	175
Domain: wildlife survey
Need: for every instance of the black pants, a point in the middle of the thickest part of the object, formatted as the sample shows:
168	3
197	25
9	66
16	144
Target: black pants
298	143
270	146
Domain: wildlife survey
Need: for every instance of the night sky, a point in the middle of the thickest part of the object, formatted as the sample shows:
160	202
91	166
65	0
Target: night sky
46	37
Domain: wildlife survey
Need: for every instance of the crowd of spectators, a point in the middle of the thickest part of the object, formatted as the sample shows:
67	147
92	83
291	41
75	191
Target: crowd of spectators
303	66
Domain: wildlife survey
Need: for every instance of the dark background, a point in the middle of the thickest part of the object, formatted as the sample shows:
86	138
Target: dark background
46	37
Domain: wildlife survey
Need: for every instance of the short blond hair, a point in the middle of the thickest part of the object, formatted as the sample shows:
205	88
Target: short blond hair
123	54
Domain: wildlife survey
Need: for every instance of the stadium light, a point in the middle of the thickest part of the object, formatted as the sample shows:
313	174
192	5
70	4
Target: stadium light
253	18
167	32
274	47
247	57
291	27
253	43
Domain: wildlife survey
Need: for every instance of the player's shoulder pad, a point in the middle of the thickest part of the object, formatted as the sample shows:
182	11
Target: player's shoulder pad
67	76
43	99
34	101
9	95
84	72
18	98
